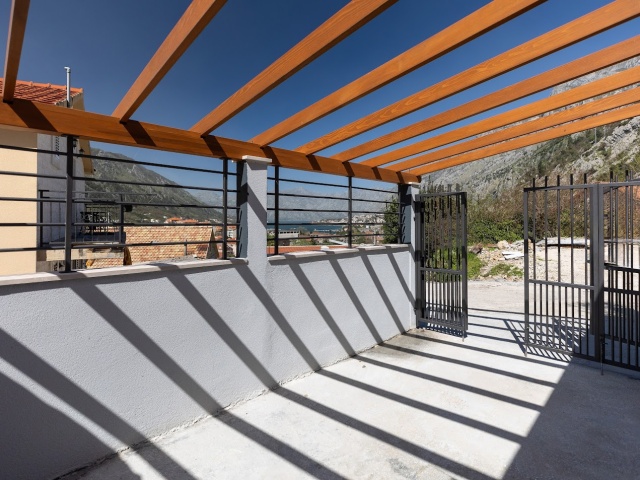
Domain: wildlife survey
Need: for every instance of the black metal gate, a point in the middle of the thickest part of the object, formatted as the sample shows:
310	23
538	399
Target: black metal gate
442	262
582	270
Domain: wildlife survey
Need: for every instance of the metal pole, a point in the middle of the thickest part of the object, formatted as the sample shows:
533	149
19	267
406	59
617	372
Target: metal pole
121	226
350	220
276	209
225	195
40	218
68	222
525	217
400	215
597	268
68	69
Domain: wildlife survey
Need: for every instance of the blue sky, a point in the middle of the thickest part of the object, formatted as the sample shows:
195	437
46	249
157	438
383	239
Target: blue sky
108	43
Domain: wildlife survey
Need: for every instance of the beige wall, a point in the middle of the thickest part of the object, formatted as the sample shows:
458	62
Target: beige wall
24	187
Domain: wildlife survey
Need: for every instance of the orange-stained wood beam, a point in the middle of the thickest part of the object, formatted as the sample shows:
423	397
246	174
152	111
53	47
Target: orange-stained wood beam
17	27
595	61
554	102
584	27
484	19
54	120
606	118
557	118
346	21
191	24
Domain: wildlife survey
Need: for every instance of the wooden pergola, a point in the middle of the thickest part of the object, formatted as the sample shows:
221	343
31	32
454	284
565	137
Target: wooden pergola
563	114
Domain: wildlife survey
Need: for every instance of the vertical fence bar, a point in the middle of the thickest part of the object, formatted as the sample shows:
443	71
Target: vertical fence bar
121	225
525	218
401	215
225	201
68	218
350	219
419	259
597	267
465	303
276	210
40	218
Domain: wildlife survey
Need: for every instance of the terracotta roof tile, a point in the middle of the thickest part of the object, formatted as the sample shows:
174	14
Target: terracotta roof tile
42	92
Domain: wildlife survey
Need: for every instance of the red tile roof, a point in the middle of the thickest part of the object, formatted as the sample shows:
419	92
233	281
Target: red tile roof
42	92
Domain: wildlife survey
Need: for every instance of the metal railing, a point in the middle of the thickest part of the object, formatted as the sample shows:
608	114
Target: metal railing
329	213
81	216
582	269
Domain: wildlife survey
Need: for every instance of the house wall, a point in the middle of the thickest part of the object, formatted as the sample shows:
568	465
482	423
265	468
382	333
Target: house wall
48	164
94	361
14	212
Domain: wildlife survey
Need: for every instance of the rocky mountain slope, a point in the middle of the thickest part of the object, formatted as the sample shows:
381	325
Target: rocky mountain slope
127	172
594	152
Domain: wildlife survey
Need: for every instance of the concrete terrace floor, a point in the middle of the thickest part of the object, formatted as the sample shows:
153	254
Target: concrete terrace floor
422	405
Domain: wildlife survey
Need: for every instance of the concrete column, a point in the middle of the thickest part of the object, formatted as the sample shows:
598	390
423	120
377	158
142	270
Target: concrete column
408	234
252	203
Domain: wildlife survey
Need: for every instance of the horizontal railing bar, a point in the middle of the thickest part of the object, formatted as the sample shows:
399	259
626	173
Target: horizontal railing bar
140	184
148	224
307	182
321	223
153	164
31	224
30	149
37	200
374	190
537	281
36	175
307	196
441	270
607	186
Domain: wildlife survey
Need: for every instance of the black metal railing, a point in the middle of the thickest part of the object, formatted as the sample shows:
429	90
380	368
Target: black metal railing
82	217
305	213
582	269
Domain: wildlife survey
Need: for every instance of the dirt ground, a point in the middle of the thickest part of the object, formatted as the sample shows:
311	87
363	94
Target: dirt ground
564	263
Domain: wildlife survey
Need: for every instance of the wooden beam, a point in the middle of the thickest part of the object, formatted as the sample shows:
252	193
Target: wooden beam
554	102
17	27
191	24
542	123
584	27
54	120
484	19
595	61
346	21
623	113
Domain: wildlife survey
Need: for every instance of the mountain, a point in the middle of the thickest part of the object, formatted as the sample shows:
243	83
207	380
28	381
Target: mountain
128	172
594	152
331	200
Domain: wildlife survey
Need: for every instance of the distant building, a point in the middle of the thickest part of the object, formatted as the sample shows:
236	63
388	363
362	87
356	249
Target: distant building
182	239
26	187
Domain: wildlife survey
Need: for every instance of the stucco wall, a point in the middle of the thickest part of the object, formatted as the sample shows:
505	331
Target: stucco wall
17	212
96	360
91	365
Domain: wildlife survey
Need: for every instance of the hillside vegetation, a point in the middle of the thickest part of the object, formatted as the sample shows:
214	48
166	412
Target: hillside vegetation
494	185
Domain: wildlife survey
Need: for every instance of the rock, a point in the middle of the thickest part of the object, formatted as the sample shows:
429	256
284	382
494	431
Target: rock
503	245
476	249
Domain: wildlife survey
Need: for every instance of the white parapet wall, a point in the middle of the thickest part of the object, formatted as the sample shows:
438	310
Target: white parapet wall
92	362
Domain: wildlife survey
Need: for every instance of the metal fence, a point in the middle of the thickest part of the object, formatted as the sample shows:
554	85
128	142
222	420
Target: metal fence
582	270
313	214
64	209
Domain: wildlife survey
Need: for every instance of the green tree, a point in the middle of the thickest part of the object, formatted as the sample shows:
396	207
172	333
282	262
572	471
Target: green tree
390	227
